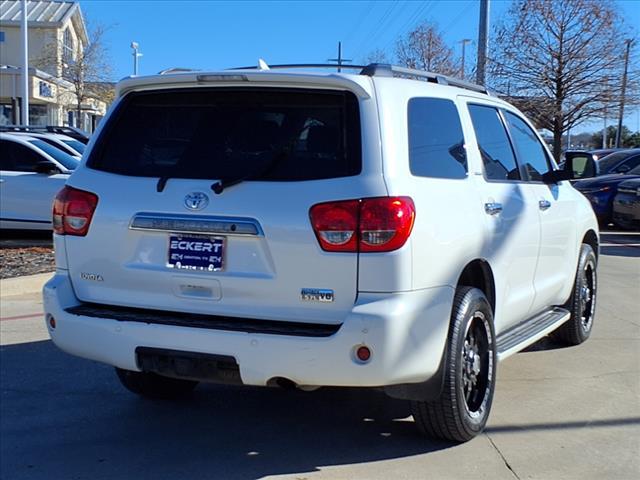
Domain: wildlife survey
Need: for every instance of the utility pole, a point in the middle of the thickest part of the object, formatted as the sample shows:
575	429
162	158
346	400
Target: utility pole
606	104
483	28
339	60
136	55
622	93
464	42
25	65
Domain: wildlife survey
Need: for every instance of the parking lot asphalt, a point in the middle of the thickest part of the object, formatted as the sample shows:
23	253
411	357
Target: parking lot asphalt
558	413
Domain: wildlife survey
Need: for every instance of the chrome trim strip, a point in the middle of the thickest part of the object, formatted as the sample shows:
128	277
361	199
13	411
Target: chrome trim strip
198	224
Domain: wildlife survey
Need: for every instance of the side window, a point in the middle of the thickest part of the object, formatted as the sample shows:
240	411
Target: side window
531	153
18	158
628	164
493	142
6	159
436	141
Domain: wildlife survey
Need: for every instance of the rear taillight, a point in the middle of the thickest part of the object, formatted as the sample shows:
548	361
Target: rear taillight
72	211
378	224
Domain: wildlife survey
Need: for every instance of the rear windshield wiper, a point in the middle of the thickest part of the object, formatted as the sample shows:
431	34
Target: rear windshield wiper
281	155
162	181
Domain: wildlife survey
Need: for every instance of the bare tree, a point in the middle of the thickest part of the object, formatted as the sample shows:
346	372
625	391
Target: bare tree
376	56
425	49
561	61
85	67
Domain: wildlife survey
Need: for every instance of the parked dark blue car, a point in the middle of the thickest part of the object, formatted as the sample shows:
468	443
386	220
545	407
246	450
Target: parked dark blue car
601	191
626	204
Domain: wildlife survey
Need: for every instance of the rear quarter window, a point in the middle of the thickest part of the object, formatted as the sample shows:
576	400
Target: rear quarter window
262	134
436	141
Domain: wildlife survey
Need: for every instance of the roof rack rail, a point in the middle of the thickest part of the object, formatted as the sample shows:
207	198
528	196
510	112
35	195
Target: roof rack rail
301	65
176	70
381	70
387	70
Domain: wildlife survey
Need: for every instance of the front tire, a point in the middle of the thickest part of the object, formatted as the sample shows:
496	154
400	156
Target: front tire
582	303
151	385
462	409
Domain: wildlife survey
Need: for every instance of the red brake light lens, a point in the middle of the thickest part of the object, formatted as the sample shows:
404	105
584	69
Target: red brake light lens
385	223
336	225
72	211
380	224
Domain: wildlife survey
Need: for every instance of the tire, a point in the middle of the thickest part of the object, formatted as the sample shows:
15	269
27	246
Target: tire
582	303
151	385
461	411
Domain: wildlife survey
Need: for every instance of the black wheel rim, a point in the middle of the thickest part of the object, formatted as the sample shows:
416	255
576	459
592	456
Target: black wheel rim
477	364
587	296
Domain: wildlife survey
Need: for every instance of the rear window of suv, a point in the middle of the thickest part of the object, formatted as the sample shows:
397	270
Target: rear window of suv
259	134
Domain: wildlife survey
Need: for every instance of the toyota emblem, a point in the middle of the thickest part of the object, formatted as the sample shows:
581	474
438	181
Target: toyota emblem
196	201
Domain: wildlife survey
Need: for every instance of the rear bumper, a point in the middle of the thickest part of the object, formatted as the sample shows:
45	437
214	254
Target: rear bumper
406	333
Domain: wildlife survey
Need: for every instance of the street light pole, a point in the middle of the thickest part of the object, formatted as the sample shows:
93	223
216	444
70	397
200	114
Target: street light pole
464	42
136	55
622	93
25	65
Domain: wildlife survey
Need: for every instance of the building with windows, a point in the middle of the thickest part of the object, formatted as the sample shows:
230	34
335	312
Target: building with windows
57	35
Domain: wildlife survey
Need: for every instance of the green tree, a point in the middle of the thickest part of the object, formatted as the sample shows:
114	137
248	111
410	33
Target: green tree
627	139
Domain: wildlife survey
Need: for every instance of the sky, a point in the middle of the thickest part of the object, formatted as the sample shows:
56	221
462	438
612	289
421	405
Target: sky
220	34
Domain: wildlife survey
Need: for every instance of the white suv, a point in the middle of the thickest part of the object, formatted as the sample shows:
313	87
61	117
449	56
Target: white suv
392	228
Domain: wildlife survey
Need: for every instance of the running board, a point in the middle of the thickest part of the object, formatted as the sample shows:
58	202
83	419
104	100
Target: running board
524	334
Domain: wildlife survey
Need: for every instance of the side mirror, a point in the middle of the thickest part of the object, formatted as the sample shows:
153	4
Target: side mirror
46	168
577	165
623	168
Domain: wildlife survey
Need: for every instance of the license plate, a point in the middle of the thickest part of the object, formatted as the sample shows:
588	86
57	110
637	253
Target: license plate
196	252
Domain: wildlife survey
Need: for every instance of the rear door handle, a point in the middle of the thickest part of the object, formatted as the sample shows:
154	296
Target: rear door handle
544	204
492	208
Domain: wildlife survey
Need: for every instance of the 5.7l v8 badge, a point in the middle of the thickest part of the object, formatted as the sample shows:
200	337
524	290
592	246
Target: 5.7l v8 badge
316	295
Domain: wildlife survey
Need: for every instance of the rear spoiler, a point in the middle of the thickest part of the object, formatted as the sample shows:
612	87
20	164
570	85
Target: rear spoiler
358	85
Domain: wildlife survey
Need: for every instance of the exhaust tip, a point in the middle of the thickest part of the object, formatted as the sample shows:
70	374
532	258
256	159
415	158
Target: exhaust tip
282	382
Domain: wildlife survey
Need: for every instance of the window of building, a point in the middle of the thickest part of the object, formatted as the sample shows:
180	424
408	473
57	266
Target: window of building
436	141
38	115
493	142
531	153
1	37
6	115
68	52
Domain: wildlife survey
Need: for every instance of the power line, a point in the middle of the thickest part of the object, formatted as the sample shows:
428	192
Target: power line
457	17
413	21
382	19
352	31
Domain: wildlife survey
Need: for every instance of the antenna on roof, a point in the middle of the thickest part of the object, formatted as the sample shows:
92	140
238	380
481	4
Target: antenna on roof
262	65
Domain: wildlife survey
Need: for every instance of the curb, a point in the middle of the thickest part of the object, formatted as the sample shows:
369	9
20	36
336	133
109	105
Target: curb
23	285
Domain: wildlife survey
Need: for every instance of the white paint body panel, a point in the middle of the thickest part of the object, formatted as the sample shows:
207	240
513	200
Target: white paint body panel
405	332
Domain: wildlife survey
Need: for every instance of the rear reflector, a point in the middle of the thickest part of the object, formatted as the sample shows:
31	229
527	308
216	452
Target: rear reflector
363	353
72	211
380	224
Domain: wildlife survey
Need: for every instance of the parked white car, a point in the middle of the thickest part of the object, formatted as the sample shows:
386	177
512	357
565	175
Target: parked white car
393	228
31	173
68	145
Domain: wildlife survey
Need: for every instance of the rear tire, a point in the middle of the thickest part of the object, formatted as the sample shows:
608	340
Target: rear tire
151	385
582	303
462	410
